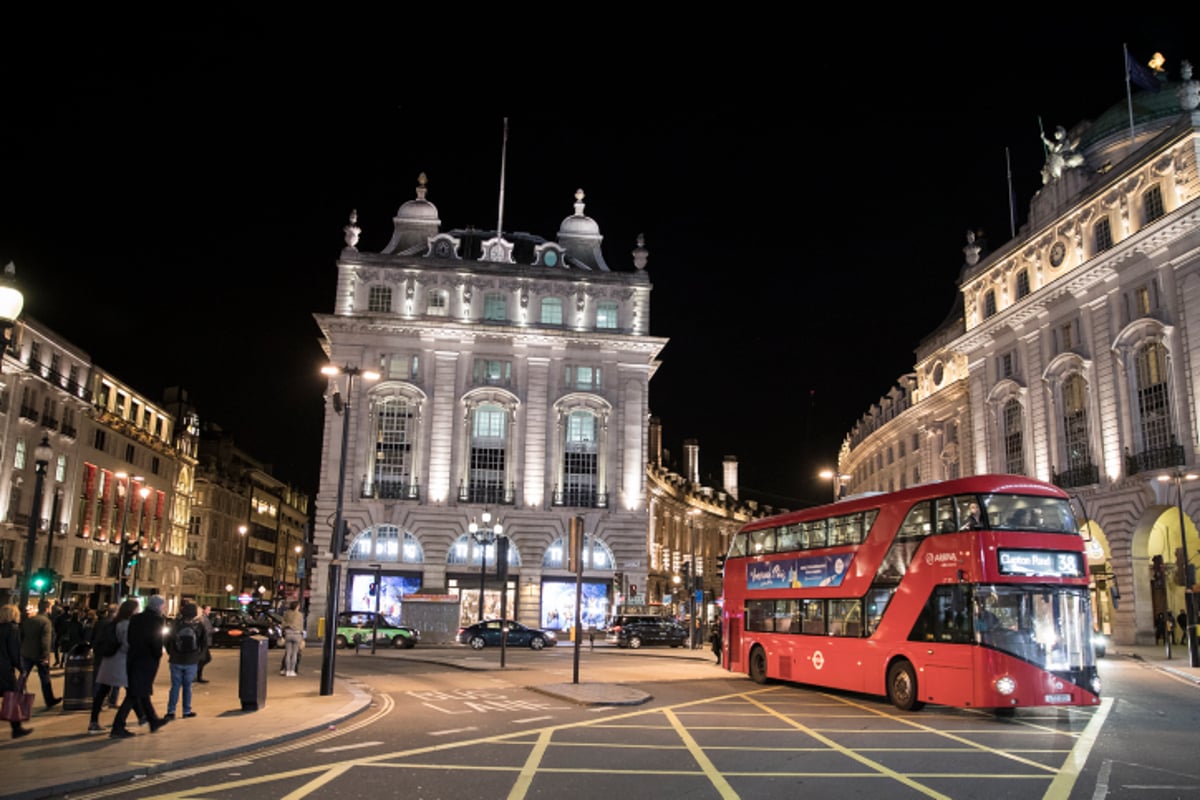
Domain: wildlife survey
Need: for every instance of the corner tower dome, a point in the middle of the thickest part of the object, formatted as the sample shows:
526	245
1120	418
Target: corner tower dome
415	222
580	236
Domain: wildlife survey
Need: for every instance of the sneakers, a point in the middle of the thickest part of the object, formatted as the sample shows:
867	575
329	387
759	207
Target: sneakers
283	672
189	714
169	715
94	728
121	733
291	674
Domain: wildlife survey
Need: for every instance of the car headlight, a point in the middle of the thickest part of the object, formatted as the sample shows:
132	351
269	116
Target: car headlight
1006	685
550	635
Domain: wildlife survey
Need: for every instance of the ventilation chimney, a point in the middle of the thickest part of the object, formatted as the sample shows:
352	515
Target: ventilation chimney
691	460
655	433
730	474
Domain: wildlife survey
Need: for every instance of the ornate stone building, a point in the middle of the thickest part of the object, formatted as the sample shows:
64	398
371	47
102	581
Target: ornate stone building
487	378
1068	355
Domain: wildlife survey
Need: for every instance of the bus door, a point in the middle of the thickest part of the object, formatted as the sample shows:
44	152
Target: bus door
944	642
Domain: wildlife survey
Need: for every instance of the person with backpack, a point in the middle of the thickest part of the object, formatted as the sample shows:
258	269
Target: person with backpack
110	646
186	646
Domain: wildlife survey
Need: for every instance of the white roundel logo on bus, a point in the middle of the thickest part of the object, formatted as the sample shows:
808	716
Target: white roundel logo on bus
818	660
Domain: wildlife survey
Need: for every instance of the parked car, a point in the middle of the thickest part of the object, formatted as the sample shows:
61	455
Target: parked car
360	627
633	632
487	634
232	625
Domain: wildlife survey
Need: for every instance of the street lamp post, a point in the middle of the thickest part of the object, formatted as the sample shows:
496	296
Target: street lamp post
242	532
41	459
839	480
333	587
299	549
485	535
1179	476
695	581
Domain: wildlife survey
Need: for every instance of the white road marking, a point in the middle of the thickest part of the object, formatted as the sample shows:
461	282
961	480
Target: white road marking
348	747
450	731
531	719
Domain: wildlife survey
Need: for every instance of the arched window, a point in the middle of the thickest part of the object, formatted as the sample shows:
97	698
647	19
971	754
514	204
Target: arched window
466	552
1153	402
1014	438
385	543
395	433
596	555
489	450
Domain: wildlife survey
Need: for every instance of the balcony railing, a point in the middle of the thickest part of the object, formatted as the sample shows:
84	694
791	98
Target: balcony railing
580	498
1159	458
1082	474
392	490
487	493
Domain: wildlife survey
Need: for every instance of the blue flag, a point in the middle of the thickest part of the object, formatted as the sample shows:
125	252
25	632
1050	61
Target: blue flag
1142	75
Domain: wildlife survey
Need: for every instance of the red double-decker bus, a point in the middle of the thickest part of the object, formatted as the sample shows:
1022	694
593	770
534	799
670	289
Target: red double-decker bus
970	592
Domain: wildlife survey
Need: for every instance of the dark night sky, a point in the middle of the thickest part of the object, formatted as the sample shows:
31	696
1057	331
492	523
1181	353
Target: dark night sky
173	195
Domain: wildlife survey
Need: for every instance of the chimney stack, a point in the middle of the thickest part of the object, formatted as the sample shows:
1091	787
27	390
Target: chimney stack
731	476
691	460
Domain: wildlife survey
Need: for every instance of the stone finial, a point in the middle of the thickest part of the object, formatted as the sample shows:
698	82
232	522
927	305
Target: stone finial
421	181
640	253
352	231
579	202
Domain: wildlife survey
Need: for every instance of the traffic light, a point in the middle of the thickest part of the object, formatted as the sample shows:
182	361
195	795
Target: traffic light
720	565
42	581
685	569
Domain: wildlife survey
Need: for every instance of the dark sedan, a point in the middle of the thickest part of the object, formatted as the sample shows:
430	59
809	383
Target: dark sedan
232	626
637	632
487	634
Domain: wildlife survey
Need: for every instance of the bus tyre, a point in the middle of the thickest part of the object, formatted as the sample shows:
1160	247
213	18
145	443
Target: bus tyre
902	687
758	665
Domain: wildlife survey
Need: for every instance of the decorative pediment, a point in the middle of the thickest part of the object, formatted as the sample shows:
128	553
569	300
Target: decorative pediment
497	250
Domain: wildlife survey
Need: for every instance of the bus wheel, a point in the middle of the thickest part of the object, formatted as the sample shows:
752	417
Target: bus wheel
902	687
758	665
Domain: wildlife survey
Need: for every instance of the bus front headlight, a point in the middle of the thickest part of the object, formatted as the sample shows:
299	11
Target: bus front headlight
1006	685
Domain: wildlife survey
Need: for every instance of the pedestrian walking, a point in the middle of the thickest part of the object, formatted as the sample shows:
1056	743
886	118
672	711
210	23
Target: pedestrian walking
185	650
37	635
206	622
111	673
1160	628
10	660
58	623
716	640
1183	631
293	637
145	637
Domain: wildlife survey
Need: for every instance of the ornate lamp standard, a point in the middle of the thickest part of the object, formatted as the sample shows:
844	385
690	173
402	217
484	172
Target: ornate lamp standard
241	584
484	536
334	585
1178	476
41	459
11	302
839	479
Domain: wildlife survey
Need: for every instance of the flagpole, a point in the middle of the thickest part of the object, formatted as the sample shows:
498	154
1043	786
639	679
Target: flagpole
1128	91
503	159
1012	212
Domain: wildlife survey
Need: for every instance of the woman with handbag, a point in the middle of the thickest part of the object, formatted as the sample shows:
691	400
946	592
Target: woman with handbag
10	661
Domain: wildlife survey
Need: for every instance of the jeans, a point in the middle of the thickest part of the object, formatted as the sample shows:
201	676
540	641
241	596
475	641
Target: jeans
43	670
182	676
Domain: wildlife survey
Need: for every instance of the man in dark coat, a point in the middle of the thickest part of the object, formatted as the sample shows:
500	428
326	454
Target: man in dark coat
145	651
37	636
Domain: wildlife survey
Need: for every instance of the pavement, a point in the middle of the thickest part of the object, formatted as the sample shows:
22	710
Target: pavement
61	758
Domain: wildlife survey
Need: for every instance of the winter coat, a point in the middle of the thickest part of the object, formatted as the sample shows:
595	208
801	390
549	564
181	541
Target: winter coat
36	635
145	638
10	656
112	670
195	657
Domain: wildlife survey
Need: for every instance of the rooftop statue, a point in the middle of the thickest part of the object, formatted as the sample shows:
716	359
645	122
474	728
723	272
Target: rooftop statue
1060	155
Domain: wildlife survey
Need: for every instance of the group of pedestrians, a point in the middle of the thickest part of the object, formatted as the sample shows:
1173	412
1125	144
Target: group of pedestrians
127	648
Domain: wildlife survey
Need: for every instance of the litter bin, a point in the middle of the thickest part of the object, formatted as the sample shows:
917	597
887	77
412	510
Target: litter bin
77	680
252	677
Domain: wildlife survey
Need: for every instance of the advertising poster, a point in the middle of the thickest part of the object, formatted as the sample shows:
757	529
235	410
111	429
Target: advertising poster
794	573
558	604
391	592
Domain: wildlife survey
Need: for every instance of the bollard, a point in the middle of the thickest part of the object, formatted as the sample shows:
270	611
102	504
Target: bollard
252	674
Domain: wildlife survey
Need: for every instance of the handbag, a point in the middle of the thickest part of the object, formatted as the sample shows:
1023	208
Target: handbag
18	703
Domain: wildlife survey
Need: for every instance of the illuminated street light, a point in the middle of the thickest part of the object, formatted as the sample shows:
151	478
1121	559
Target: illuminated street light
41	459
840	480
333	587
486	535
